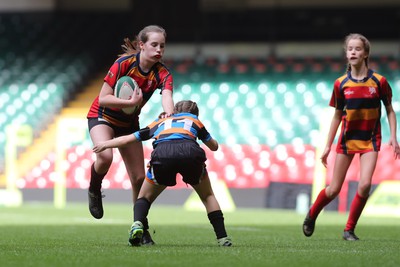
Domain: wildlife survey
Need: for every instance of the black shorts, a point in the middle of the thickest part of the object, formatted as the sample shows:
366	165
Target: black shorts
172	157
118	131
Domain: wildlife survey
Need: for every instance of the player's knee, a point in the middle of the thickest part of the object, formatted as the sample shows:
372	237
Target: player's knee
364	188
332	192
104	159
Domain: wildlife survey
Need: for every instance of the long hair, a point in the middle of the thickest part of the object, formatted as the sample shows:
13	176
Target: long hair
186	106
364	40
130	47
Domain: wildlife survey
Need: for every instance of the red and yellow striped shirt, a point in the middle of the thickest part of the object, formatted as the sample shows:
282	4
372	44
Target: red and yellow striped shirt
159	77
361	105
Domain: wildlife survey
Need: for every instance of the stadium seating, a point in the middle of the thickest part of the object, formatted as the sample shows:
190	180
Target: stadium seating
265	112
49	66
278	116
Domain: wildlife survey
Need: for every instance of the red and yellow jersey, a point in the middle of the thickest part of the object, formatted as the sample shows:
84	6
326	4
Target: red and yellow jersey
360	101
159	77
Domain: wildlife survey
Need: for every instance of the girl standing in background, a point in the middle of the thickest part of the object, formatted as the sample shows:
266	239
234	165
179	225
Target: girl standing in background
356	97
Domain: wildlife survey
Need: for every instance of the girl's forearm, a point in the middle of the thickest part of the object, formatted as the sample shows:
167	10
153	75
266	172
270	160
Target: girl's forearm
393	125
391	115
120	141
167	102
333	129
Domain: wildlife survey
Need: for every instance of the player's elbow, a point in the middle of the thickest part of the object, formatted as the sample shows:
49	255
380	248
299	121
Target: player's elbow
213	145
214	148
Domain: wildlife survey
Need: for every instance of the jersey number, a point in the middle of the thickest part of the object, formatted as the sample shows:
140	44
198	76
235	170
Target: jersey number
187	124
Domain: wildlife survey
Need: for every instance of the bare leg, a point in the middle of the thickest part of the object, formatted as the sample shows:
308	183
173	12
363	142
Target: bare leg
327	194
367	165
151	191
214	213
99	169
133	158
101	133
342	164
206	194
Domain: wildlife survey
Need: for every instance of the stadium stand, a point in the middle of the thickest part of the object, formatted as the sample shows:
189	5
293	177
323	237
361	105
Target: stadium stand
57	57
265	111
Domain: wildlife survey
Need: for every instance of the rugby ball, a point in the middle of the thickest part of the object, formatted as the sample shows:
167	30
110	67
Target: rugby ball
124	90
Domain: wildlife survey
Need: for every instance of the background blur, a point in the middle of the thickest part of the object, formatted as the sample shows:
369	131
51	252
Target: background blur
261	72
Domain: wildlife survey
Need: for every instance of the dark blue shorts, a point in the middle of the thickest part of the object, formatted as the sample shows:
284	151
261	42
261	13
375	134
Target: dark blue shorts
172	157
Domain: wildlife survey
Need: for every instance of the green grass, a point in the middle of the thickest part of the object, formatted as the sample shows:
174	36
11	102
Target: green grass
40	235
